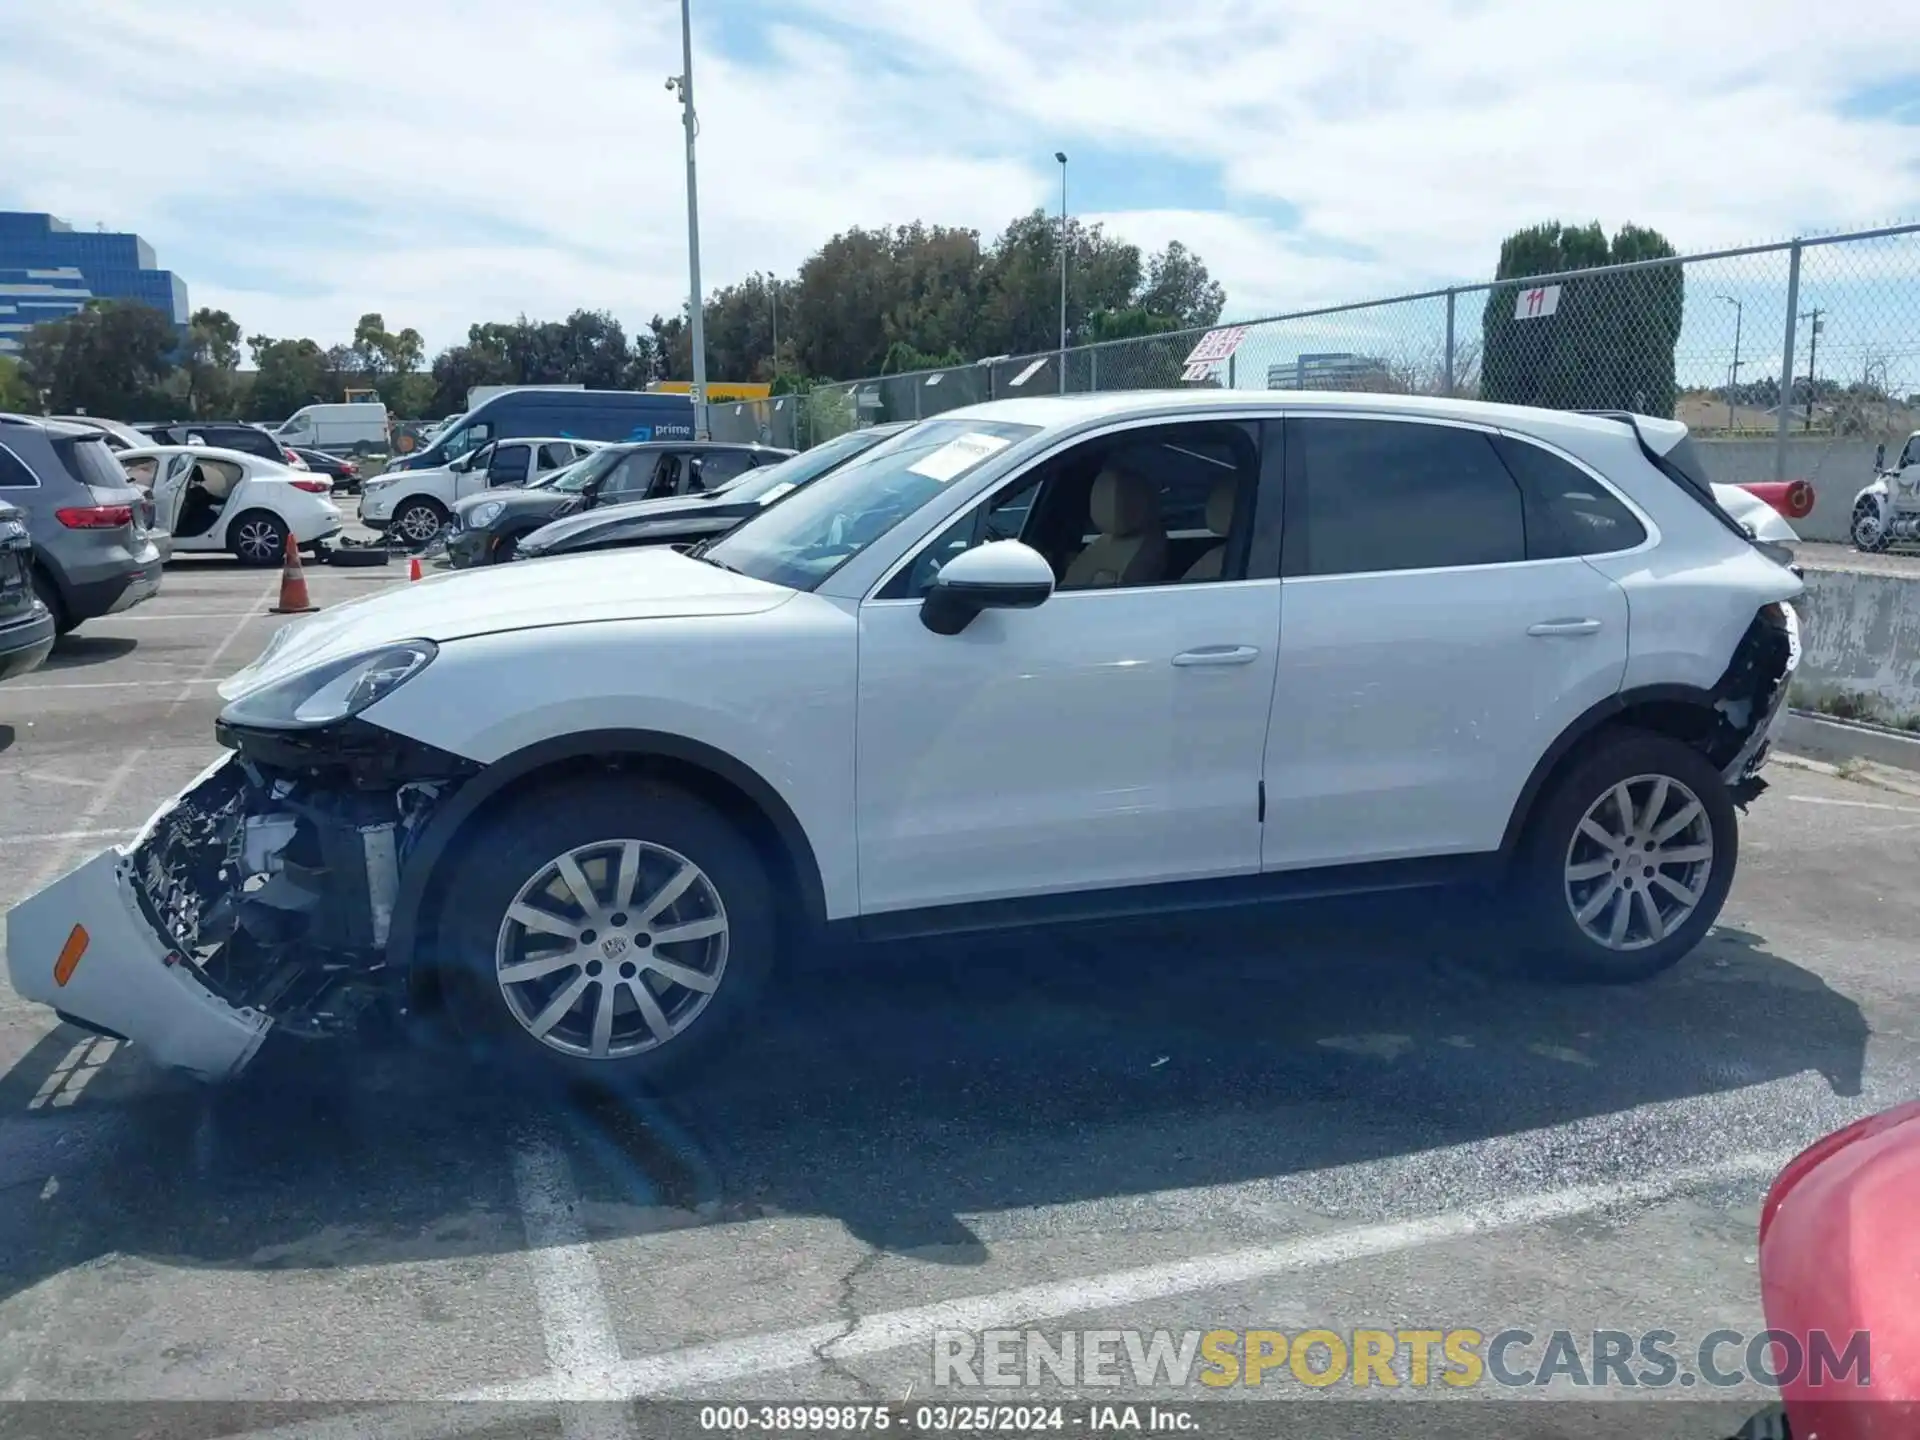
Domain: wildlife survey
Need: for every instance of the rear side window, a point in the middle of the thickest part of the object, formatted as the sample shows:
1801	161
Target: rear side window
14	474
91	463
719	466
1378	495
1567	511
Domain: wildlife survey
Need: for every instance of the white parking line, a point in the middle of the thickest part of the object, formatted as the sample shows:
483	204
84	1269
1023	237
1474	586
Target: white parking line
1853	804
62	855
755	1356
574	1323
111	685
61	836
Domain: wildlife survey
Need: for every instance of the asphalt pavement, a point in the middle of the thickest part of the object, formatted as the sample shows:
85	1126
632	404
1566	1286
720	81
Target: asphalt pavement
1318	1118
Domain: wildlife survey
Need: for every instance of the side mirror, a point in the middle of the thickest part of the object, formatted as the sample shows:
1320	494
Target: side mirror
1003	575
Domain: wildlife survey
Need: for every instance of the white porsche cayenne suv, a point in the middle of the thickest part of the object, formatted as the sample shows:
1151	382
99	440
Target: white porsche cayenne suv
1030	661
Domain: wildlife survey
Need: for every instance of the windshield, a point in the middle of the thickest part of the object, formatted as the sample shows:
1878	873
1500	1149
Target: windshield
775	481
582	473
802	541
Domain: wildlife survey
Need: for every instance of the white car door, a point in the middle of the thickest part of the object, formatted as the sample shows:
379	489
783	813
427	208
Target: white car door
1439	631
1109	737
170	476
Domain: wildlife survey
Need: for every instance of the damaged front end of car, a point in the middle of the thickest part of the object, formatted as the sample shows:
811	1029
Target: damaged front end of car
262	896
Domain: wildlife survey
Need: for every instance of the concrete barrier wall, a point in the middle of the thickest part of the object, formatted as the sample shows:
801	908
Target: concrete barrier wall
1860	637
1836	468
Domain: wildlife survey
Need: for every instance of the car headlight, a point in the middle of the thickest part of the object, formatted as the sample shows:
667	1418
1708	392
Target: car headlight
333	691
481	516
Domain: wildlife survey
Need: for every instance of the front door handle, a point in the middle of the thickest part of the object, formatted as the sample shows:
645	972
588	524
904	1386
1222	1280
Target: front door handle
1564	627
1218	655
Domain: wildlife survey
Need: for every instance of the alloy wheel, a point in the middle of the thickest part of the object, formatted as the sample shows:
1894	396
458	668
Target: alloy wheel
612	949
418	524
1639	862
1868	534
259	541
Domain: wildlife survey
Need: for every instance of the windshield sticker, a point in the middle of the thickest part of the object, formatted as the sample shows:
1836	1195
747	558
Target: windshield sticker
961	453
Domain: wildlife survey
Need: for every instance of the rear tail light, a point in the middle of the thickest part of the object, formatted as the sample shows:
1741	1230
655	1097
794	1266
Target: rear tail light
292	459
349	467
312	487
95	517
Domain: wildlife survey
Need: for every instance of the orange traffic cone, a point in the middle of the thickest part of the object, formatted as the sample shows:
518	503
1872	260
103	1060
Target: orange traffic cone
413	568
293	585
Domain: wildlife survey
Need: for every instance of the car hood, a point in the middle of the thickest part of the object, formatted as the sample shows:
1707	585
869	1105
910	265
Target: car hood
518	501
567	590
671	507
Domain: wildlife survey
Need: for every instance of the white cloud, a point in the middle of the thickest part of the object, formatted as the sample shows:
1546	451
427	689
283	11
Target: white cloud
444	162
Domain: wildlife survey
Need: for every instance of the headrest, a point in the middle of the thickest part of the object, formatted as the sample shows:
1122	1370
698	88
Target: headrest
1122	503
1220	504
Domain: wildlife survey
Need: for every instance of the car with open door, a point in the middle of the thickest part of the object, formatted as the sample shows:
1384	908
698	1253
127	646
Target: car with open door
705	515
211	501
414	506
488	529
1046	660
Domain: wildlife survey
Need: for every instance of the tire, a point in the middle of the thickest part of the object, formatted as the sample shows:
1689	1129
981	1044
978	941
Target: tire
1556	869
417	521
258	538
43	586
597	823
1866	531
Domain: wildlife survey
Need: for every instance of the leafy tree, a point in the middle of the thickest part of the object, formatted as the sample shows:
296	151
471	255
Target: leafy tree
110	359
1609	345
209	362
289	374
1180	290
15	393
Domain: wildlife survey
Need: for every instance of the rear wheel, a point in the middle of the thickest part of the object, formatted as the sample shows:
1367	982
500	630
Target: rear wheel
1868	532
258	538
417	521
1627	862
50	597
608	932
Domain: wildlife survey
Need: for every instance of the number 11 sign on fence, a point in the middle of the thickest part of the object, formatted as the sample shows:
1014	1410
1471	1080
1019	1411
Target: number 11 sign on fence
1536	303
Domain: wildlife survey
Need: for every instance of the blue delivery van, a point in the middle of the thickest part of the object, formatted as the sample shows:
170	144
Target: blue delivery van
574	414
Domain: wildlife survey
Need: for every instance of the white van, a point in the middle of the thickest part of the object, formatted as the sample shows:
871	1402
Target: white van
359	428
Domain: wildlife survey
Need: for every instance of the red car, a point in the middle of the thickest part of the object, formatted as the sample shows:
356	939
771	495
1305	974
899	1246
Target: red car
1840	1258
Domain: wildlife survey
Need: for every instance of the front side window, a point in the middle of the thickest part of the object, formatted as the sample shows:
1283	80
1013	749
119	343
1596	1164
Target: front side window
1163	505
628	477
809	535
717	467
554	454
1378	495
509	465
469	437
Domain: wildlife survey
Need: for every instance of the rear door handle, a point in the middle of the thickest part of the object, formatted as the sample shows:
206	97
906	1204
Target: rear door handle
1218	655
1564	627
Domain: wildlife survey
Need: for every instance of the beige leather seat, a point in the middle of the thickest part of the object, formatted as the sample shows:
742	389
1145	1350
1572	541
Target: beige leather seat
1220	504
1131	548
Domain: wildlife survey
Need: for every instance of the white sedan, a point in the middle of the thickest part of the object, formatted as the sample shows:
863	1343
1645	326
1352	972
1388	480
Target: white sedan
212	500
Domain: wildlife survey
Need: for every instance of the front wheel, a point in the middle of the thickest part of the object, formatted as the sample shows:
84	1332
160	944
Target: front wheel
1869	532
417	521
258	538
608	932
1627	862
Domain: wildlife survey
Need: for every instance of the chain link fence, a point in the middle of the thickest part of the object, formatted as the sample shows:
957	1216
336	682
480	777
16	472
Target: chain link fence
1704	338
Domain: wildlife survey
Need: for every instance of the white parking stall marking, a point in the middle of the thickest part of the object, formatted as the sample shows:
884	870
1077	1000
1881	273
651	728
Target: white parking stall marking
756	1356
61	836
62	857
106	685
1854	804
72	1075
574	1324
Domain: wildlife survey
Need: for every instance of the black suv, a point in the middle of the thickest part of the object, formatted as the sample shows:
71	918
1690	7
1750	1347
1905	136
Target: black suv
224	435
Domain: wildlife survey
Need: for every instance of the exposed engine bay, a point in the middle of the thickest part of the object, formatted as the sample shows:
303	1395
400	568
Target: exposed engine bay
276	884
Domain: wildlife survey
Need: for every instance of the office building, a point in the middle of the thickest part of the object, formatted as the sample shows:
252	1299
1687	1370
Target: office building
49	270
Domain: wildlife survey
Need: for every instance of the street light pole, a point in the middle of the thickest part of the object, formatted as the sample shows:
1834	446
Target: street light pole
683	82
1733	371
1061	156
773	289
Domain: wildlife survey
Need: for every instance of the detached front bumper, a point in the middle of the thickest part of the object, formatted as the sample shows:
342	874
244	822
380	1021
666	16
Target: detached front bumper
84	946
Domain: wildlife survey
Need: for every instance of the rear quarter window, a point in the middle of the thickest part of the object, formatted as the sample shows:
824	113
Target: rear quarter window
14	473
1567	512
92	464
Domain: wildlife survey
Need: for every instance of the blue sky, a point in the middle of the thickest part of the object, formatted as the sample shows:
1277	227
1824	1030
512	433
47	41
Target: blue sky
446	161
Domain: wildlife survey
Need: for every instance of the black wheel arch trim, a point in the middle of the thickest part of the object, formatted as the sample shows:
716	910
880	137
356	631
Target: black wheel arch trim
1584	725
449	821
